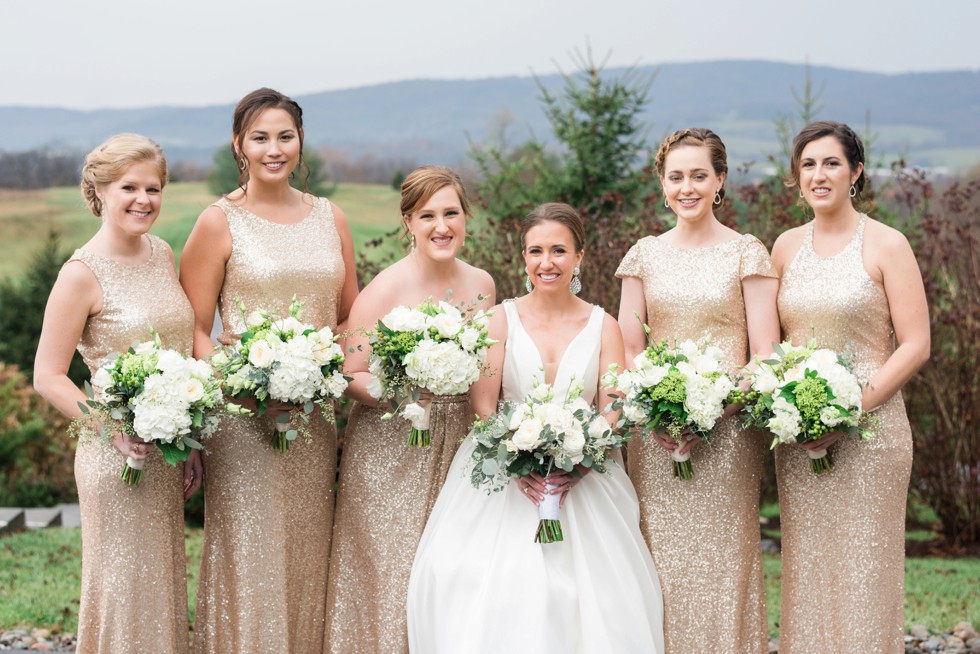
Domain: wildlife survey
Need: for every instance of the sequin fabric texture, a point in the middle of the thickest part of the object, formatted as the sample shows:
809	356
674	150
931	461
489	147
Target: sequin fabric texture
134	586
843	532
386	493
268	515
703	533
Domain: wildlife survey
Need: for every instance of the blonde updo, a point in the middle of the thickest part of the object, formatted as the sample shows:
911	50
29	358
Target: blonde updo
107	163
696	136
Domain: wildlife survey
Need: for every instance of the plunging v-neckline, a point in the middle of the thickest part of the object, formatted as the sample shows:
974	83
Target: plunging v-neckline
564	354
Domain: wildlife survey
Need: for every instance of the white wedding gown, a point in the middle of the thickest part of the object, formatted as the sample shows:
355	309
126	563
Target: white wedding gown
480	583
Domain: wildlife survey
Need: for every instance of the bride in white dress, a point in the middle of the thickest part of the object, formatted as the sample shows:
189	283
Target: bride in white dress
479	582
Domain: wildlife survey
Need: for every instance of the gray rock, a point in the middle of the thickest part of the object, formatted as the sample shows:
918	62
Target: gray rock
933	644
919	631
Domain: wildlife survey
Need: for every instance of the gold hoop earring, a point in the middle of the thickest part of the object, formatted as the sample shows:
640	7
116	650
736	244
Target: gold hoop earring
242	163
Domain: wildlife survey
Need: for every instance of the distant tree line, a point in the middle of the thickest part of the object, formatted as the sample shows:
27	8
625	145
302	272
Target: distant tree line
33	169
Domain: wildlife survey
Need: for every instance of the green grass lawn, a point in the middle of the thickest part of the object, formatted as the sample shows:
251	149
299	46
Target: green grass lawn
40	577
26	217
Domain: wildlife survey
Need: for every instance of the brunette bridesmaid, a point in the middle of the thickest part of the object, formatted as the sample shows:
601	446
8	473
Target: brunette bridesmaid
387	489
108	295
702	279
268	514
853	284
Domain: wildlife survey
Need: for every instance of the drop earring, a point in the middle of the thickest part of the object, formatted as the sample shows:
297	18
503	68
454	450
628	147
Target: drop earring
576	286
527	282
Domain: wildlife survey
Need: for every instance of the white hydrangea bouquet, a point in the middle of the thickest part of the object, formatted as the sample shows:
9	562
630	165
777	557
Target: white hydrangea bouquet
287	360
802	393
438	347
159	395
542	434
671	390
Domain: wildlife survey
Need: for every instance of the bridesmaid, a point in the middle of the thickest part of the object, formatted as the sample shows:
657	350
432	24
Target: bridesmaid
700	279
268	515
853	283
387	490
108	295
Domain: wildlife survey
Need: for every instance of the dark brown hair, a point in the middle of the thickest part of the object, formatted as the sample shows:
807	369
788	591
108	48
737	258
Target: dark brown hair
247	112
557	212
849	141
107	163
697	136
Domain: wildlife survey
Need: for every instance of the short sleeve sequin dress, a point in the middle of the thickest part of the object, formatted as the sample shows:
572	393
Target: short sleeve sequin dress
704	532
268	515
134	584
843	532
384	498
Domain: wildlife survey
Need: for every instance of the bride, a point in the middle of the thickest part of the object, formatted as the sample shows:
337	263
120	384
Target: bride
479	582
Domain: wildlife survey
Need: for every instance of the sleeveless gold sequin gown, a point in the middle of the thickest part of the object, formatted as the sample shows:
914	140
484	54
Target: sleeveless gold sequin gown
384	498
268	515
843	532
703	533
134	584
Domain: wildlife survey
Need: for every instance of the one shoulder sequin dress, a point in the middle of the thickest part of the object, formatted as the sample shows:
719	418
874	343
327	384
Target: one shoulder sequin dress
134	584
268	515
843	532
704	532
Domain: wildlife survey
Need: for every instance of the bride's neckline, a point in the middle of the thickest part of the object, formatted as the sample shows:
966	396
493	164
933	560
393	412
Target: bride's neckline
537	350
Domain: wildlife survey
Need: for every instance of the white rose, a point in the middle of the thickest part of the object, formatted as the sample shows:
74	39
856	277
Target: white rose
144	348
101	379
793	374
651	375
255	318
191	390
821	361
572	444
635	413
403	319
445	324
689	349
527	435
260	354
516	418
289	324
170	361
599	428
375	388
468	338
336	384
541	393
414	413
764	380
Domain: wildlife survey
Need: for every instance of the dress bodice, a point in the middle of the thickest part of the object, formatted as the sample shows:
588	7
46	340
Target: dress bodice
270	262
697	292
523	367
134	299
834	300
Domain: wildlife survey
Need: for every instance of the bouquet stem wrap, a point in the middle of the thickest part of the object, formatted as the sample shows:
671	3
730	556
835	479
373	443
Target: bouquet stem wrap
132	471
549	525
280	439
419	436
819	461
682	464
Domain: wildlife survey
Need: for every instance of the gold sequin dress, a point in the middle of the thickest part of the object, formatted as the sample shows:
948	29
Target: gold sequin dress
703	533
384	498
268	515
843	532
134	584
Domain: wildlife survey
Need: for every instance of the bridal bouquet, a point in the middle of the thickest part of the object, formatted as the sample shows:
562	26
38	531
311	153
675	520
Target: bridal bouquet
673	390
437	347
539	435
160	396
802	393
286	360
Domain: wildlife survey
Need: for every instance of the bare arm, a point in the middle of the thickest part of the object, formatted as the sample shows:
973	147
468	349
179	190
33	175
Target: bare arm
761	317
632	304
76	295
202	272
349	291
486	390
612	352
910	318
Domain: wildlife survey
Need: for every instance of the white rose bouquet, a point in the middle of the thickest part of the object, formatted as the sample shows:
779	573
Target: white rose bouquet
672	390
802	393
539	435
160	396
285	360
438	347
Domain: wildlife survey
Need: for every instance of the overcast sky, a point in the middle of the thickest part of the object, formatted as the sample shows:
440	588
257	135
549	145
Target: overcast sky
133	53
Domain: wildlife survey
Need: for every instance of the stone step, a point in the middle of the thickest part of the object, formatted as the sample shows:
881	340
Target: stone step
11	520
70	515
42	518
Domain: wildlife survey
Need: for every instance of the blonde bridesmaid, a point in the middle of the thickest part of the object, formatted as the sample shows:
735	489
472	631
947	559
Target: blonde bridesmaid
853	283
386	489
109	294
268	515
702	279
